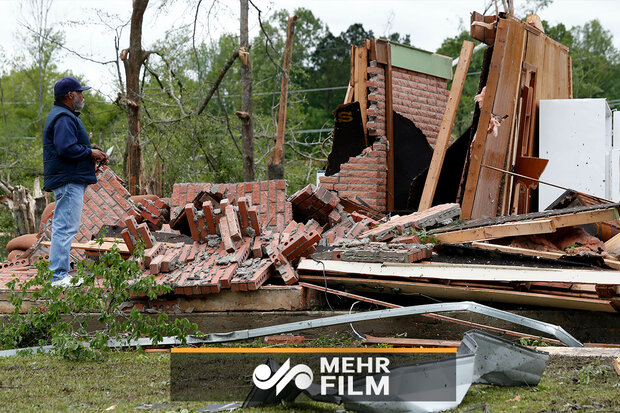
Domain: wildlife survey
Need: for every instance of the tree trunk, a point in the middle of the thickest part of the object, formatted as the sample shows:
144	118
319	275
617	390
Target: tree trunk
26	209
23	205
247	131
275	167
133	58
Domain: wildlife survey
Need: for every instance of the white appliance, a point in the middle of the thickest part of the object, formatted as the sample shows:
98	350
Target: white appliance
576	136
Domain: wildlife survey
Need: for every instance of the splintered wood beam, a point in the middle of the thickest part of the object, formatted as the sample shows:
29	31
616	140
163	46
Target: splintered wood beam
516	250
409	342
359	87
450	292
94	246
105	246
389	129
277	156
511	229
612	245
348	97
445	130
529	227
610	262
585	217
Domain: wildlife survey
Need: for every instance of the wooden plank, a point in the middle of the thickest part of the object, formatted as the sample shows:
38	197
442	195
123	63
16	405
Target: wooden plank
348	97
579	215
584	217
409	342
612	263
477	147
556	83
515	250
443	137
496	231
569	63
441	291
517	193
360	88
482	28
488	195
112	239
389	129
379	50
534	59
461	272
94	246
612	245
349	295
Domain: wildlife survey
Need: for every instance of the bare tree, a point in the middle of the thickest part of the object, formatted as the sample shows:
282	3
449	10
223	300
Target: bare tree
247	131
133	58
42	42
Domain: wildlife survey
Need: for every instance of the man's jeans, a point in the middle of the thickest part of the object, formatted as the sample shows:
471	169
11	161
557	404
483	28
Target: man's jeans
65	225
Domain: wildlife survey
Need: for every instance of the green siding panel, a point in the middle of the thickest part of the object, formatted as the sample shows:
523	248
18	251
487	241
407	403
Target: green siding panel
418	60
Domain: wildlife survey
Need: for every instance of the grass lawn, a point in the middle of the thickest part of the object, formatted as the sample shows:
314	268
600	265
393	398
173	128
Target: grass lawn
130	380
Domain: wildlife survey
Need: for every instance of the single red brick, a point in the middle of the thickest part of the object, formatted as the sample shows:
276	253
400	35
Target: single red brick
190	213
225	233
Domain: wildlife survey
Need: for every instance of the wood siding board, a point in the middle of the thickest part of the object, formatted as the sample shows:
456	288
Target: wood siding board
480	138
487	197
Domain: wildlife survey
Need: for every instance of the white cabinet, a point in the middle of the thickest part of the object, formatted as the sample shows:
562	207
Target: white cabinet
576	136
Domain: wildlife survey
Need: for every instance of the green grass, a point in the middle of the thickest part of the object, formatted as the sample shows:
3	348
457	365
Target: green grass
568	385
129	379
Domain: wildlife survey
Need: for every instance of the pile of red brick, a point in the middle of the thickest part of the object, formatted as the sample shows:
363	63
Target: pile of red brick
235	236
232	248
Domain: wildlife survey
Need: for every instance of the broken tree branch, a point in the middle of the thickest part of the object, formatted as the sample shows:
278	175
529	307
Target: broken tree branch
55	42
268	41
217	82
7	189
230	132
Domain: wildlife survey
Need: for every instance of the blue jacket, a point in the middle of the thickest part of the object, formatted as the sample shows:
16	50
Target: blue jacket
66	149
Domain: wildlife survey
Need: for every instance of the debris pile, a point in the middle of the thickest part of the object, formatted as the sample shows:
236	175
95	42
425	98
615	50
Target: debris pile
404	208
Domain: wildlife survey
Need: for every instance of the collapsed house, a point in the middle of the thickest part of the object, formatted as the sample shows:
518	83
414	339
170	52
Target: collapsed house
404	209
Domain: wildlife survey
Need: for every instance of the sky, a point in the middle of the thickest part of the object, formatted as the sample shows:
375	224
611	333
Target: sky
88	24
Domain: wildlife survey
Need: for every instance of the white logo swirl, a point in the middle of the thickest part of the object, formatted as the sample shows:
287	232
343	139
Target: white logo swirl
301	373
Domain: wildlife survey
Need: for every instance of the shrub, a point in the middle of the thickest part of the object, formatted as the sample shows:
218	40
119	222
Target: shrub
107	284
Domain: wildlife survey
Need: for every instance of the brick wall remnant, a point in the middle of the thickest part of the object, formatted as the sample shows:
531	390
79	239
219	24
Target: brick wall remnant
269	198
364	176
419	97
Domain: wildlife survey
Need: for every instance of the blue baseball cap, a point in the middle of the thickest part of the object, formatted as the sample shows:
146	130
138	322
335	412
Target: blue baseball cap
68	84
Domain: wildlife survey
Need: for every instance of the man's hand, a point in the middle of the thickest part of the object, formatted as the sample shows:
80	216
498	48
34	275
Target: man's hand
98	156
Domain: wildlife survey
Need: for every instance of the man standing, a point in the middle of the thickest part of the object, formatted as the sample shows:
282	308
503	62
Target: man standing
69	166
